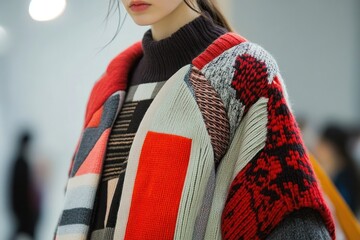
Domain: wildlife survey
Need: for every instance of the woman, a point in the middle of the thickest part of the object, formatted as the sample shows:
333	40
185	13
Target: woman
334	153
188	135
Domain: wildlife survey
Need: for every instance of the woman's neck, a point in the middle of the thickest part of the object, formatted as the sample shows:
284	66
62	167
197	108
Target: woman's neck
173	22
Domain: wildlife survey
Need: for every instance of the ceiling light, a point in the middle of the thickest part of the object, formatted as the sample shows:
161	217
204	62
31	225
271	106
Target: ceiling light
46	10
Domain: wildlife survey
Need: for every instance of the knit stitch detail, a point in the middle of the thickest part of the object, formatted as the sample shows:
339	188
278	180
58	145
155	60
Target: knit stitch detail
177	50
124	129
279	179
219	73
163	162
213	112
241	75
87	165
80	195
91	135
221	70
220	45
249	140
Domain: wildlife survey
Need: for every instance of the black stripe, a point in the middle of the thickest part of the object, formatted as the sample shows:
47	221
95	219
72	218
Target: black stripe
76	216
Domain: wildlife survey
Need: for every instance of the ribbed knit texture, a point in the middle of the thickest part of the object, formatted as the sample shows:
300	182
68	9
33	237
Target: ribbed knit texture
175	51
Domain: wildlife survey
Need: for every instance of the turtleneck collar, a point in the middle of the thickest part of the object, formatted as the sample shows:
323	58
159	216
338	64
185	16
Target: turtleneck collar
163	58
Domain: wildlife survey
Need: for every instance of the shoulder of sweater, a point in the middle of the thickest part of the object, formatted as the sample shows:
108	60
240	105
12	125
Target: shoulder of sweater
114	79
233	49
241	66
122	60
241	74
116	72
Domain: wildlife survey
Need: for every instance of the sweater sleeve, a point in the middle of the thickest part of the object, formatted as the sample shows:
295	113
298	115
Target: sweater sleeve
304	224
278	179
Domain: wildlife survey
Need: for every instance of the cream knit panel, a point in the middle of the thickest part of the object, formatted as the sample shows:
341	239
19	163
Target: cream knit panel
254	132
173	111
248	140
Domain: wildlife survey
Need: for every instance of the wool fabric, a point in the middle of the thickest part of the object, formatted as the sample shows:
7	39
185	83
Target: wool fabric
242	190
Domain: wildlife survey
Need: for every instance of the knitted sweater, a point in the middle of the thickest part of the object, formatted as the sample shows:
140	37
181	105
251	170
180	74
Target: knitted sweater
217	155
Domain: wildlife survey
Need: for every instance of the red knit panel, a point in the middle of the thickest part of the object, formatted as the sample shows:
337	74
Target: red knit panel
92	164
95	119
158	186
220	45
279	179
250	80
113	80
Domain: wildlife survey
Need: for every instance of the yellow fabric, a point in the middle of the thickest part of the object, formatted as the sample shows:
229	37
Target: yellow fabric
344	215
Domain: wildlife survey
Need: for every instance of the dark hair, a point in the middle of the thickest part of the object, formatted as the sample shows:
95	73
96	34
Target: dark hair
25	138
211	7
113	7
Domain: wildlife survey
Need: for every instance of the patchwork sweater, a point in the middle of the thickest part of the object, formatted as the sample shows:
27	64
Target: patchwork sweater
217	155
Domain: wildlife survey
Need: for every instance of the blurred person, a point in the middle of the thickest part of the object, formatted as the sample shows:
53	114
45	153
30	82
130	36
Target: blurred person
24	196
189	135
355	153
334	154
347	226
355	145
356	150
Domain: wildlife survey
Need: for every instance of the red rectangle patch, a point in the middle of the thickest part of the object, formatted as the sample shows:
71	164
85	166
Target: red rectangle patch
158	186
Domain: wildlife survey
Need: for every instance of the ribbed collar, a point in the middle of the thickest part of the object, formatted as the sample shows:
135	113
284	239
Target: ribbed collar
163	58
117	73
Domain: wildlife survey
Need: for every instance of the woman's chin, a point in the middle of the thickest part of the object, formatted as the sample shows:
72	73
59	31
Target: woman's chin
143	20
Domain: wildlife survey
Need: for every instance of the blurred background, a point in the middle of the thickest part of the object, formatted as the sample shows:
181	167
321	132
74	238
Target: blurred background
47	69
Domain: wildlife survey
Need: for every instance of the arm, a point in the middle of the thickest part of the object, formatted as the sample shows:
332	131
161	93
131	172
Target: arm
304	224
278	180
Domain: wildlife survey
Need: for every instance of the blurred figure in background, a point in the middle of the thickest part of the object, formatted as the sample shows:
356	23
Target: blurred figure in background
24	197
334	154
355	154
355	145
346	224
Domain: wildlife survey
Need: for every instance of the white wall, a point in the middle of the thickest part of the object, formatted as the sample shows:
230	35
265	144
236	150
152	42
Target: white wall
45	80
316	44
